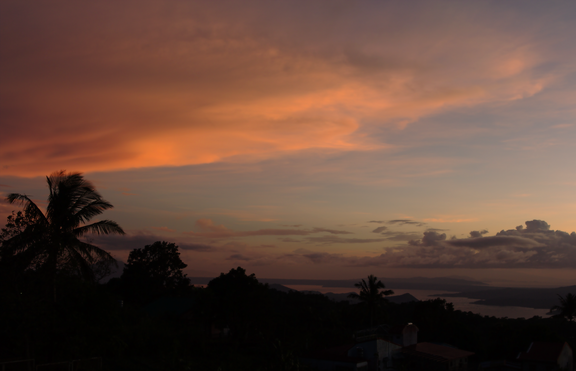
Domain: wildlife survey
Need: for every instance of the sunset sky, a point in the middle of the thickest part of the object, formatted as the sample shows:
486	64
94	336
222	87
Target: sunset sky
330	139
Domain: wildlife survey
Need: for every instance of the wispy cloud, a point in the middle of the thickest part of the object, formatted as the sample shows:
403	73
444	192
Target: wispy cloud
400	236
211	230
328	240
322	257
238	257
139	239
450	220
441	230
397	235
164	229
289	239
406	222
331	231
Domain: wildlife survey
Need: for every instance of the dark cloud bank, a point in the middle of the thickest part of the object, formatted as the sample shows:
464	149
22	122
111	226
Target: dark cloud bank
533	246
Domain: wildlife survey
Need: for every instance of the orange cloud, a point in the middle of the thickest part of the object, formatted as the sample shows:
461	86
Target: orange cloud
199	83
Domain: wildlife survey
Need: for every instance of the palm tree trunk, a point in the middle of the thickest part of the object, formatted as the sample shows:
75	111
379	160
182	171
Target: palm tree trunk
51	266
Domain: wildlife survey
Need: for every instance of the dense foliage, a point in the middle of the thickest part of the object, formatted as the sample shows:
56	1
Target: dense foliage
153	271
567	307
372	294
269	329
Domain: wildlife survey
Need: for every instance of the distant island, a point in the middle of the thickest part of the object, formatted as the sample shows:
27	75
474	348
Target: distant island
415	283
396	299
538	298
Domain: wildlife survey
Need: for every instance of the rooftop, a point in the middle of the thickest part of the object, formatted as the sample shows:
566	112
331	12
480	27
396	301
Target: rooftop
436	352
338	354
543	351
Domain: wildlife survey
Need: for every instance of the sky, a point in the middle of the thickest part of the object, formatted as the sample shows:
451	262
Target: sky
306	140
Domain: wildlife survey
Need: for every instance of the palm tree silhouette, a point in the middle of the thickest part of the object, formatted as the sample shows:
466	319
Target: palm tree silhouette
50	243
567	307
371	294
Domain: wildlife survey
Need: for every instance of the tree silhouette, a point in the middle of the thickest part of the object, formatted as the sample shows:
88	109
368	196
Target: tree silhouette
12	267
50	242
15	224
240	302
567	307
371	294
152	270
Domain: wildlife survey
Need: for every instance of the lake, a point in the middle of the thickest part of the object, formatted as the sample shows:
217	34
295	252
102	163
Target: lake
463	304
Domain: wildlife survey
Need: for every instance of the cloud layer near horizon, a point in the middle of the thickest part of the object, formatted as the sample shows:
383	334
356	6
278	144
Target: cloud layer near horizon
535	246
139	239
211	230
104	86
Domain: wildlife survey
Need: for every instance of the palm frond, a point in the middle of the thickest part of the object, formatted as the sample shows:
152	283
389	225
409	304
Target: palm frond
66	191
22	253
27	240
91	209
14	245
567	307
101	227
81	200
91	252
362	285
30	207
80	263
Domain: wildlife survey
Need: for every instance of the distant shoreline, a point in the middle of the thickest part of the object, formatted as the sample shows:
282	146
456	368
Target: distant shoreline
484	294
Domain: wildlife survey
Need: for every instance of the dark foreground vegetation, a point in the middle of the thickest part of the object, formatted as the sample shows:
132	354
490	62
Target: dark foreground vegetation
53	307
177	328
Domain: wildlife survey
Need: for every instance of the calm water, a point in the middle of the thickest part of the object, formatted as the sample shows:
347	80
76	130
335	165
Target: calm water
463	304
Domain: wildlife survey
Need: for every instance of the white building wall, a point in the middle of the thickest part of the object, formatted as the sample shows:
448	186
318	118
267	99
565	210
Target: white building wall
378	352
410	335
566	361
